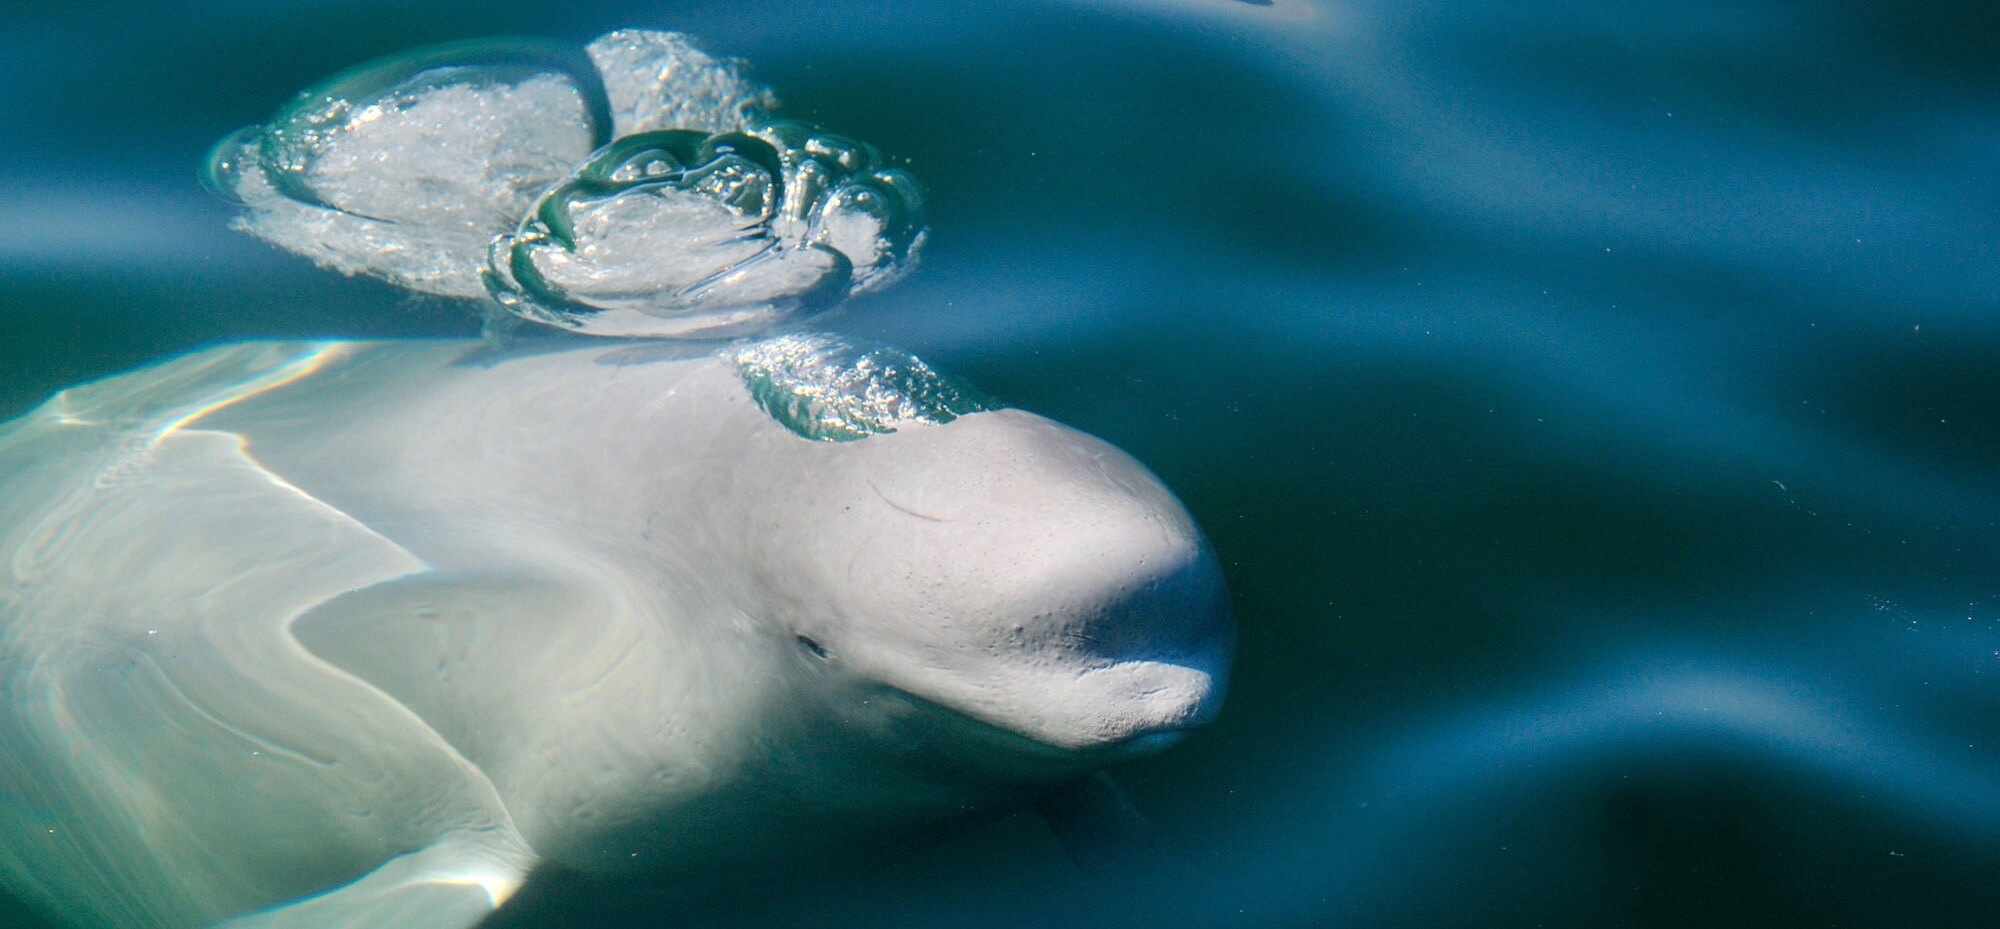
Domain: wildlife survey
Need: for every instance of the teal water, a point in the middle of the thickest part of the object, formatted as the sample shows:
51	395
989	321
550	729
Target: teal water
1593	407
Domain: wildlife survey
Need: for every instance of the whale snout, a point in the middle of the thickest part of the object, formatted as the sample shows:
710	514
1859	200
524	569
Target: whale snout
1037	580
1123	649
1116	627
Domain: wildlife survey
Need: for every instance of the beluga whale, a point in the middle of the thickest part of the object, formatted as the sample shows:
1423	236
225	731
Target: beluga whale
360	634
343	634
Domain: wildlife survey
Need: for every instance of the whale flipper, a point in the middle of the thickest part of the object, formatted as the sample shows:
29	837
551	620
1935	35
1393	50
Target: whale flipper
451	885
479	657
181	757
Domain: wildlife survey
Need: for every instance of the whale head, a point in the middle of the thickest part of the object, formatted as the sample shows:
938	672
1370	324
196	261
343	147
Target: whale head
1009	572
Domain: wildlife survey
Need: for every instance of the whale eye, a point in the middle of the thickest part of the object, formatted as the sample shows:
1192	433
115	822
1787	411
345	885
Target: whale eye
817	650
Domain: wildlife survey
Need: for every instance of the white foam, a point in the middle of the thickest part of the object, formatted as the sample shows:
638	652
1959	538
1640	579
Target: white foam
413	185
656	80
418	184
436	170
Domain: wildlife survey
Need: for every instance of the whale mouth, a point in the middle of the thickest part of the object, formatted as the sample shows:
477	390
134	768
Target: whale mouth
1112	712
1037	751
1132	747
1119	660
1147	743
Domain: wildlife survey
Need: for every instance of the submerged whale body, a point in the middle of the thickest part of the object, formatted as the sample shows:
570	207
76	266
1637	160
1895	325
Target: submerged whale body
360	634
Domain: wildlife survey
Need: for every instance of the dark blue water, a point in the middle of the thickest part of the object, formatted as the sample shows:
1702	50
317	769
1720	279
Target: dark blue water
1594	406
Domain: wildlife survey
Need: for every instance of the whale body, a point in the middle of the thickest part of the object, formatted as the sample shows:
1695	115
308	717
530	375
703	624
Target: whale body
360	634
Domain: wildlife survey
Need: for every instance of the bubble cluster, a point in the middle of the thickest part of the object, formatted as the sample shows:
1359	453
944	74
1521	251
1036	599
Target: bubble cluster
828	389
636	187
671	230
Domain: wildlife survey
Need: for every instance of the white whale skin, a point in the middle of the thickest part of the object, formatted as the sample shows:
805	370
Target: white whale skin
358	634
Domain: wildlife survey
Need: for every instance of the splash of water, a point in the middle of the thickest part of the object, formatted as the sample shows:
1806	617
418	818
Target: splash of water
676	230
636	187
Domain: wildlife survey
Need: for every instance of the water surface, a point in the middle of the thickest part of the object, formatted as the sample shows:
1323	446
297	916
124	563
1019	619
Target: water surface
1593	406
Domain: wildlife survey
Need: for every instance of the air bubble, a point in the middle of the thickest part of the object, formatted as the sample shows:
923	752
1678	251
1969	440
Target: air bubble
827	389
449	128
633	188
222	173
753	230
